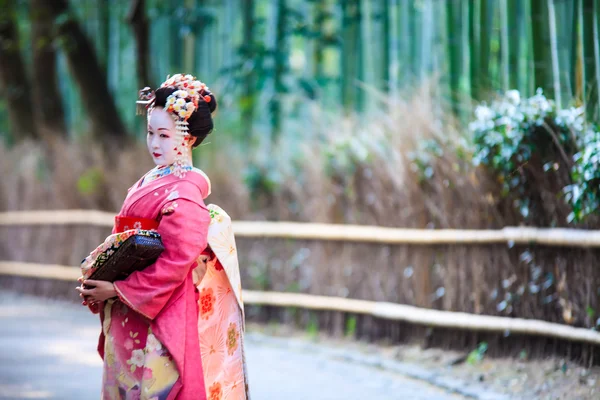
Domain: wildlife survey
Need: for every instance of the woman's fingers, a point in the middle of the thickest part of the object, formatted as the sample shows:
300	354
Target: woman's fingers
85	292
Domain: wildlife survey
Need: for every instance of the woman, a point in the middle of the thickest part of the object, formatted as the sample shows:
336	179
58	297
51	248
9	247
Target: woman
156	323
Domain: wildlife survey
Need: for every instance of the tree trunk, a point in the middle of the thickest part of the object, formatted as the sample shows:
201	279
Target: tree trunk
106	123
139	23
14	84
49	112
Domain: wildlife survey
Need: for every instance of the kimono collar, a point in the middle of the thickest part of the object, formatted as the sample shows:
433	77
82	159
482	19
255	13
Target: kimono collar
161	171
164	171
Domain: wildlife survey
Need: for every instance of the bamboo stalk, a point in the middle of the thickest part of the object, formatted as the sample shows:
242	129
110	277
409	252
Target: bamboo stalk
590	58
542	59
350	46
554	53
340	232
516	14
505	46
453	25
384	310
486	16
406	72
576	56
473	23
386	45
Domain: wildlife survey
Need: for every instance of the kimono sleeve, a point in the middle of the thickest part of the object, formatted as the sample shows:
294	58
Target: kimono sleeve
184	229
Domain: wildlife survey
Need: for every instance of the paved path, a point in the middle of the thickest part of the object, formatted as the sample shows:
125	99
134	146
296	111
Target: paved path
47	351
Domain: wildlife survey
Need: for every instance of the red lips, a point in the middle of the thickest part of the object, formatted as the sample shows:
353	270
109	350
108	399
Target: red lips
156	155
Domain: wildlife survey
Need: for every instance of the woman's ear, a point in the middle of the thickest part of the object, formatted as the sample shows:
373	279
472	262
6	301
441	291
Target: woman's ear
192	140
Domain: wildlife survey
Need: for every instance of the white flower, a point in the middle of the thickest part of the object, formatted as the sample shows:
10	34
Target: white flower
180	102
189	77
170	100
183	113
152	343
189	106
137	358
513	96
182	93
483	113
177	107
503	121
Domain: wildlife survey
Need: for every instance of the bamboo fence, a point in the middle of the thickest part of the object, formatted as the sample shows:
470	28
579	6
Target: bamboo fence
348	233
351	233
383	310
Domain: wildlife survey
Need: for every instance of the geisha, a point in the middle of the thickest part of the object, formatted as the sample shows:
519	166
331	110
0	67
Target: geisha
175	329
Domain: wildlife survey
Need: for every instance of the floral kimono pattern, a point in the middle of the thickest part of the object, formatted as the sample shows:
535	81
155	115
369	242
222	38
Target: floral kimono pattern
149	339
221	318
136	365
167	337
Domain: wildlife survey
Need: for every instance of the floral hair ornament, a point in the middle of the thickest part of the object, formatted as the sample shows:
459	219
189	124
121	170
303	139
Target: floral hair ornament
181	104
145	100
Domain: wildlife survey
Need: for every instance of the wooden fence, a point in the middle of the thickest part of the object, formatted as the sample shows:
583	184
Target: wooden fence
349	233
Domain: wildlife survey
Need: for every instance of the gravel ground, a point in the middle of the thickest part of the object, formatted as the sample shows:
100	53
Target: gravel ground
47	351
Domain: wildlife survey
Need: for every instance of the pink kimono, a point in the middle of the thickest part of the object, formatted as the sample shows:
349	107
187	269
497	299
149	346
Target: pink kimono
154	352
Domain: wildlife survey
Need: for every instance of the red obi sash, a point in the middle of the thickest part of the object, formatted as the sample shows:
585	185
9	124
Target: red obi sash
123	224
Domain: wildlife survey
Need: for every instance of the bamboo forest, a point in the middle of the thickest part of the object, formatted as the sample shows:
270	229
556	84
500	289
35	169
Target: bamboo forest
438	154
261	53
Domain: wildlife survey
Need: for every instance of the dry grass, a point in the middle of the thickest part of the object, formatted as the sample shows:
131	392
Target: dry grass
340	170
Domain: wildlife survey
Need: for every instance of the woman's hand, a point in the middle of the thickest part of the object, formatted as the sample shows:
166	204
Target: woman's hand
101	291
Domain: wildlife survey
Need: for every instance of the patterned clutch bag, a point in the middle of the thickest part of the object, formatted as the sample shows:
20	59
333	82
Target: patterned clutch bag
121	254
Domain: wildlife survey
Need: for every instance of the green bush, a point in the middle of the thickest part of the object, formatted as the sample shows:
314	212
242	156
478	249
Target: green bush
514	136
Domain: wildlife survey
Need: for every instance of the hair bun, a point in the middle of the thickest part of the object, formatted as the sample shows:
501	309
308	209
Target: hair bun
210	100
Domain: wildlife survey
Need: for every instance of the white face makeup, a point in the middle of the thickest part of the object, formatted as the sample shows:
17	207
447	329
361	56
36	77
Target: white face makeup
161	137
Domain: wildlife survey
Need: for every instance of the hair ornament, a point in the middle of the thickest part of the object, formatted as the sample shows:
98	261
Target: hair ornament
145	100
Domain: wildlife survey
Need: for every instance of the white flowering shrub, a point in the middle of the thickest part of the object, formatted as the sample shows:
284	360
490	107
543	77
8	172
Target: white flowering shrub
512	133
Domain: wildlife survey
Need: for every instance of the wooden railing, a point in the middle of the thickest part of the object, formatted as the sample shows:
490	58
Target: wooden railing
349	233
346	233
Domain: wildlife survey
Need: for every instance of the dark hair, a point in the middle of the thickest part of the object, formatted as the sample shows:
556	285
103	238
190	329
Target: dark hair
200	123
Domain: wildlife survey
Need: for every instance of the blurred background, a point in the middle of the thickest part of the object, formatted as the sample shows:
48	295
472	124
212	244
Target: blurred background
461	114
